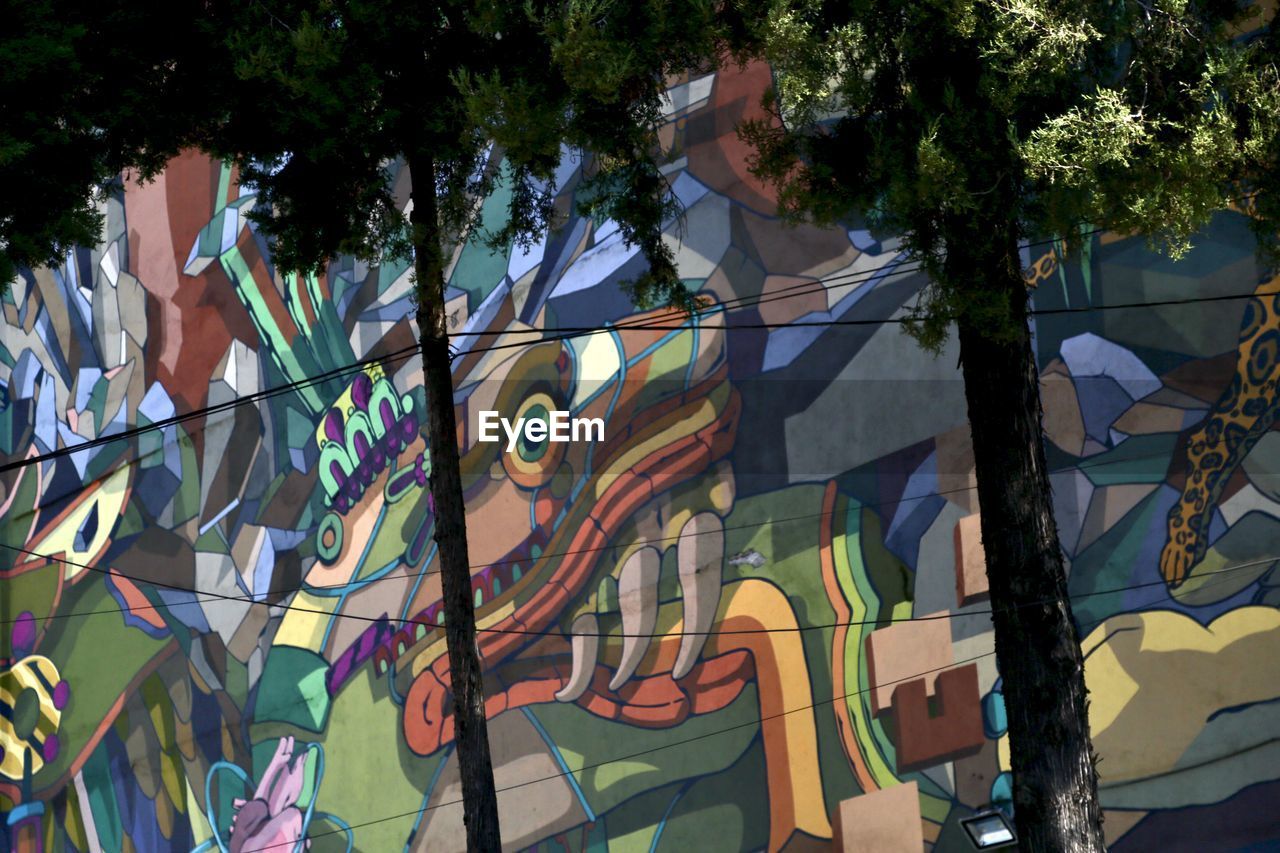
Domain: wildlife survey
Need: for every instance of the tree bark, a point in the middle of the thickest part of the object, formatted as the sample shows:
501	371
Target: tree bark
479	799
1037	643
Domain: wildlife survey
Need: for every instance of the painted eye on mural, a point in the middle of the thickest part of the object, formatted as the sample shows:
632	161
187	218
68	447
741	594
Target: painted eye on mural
533	461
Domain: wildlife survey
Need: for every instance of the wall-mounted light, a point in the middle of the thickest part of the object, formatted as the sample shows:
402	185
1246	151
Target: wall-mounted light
988	830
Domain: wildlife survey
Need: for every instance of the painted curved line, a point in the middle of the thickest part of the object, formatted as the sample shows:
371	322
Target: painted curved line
844	614
560	762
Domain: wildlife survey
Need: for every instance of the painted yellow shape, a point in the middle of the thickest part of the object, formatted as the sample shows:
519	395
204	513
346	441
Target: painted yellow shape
701	417
598	363
108	496
788	726
305	623
30	673
1156	678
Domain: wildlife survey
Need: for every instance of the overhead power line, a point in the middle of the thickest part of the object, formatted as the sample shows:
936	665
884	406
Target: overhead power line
258	598
567	333
215	596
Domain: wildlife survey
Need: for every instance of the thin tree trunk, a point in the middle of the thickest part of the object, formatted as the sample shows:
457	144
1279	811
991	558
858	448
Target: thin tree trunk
1037	644
479	800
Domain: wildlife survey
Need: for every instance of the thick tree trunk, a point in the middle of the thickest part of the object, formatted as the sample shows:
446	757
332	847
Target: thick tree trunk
479	800
1037	644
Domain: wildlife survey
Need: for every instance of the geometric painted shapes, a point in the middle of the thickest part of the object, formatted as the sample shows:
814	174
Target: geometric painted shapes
1102	401
292	689
925	738
1091	355
1063	421
971	561
887	819
906	650
32	696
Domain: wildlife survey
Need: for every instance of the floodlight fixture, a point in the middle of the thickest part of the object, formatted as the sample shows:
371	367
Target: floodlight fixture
989	830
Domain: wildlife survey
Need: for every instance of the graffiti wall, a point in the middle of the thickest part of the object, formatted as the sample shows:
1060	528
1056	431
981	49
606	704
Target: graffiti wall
752	617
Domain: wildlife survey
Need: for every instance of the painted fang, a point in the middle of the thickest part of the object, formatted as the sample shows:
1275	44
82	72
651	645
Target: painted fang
557	426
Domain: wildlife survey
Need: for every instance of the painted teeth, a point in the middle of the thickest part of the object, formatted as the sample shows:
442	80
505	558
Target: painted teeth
638	601
585	643
700	558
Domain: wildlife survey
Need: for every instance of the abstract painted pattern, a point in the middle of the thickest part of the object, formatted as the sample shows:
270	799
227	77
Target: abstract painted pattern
704	631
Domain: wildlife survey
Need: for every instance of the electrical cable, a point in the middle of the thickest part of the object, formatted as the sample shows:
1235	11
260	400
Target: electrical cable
257	598
567	333
558	633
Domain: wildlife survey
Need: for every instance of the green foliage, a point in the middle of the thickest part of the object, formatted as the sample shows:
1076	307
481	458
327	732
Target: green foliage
966	125
329	101
86	91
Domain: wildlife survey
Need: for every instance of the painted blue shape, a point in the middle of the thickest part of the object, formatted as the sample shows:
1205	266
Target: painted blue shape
688	190
1102	400
918	506
524	259
26	373
595	265
1002	792
1090	355
46	422
156	405
995	717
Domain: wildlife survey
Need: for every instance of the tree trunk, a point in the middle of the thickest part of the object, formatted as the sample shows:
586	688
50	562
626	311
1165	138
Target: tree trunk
479	800
1037	644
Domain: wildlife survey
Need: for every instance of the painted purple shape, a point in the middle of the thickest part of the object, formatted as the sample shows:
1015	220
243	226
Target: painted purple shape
333	425
61	695
50	748
362	391
24	633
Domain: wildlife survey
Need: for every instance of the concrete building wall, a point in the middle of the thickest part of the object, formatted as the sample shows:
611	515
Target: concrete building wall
704	632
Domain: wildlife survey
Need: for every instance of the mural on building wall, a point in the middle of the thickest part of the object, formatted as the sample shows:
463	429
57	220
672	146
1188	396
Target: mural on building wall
704	631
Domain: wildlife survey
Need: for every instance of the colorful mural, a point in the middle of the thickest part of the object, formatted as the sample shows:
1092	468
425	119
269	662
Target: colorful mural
754	609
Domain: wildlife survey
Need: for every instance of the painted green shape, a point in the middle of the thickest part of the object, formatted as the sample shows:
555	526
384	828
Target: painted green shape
97	403
633	825
1086	259
291	295
131	522
391	270
224	186
480	269
78	655
364	741
865	604
8	432
727	811
280	349
292	690
150	445
1108	564
299	430
606	595
186	503
671	360
211	541
583	739
846	548
102	799
1139	459
893	581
